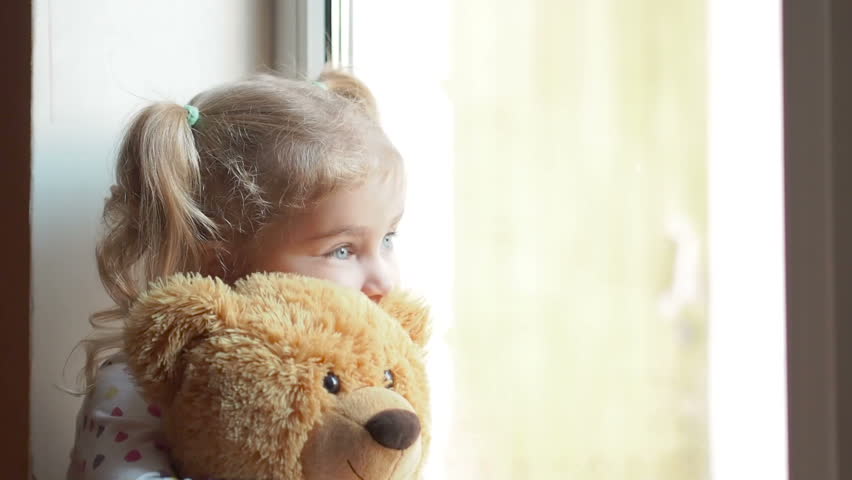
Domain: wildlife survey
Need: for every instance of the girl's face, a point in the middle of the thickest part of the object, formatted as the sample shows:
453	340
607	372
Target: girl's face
347	238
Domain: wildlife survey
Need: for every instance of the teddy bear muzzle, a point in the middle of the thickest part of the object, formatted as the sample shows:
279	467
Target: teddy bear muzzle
373	434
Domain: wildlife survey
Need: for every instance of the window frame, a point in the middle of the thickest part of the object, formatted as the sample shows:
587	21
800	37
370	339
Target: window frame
299	37
15	243
308	35
818	184
817	71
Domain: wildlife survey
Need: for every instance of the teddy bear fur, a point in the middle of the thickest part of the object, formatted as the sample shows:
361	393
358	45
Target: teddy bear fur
242	372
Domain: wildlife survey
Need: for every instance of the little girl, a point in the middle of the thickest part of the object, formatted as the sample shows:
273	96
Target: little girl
265	174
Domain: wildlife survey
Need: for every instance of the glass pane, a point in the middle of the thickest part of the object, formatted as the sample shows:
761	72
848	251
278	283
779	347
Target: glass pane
561	147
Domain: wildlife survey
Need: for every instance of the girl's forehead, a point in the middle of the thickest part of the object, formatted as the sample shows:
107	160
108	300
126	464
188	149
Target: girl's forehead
374	202
371	207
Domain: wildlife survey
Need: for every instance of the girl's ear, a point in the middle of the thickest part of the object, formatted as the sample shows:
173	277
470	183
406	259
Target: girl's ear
164	320
411	312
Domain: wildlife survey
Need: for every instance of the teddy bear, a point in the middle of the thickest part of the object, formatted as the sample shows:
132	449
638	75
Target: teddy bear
283	377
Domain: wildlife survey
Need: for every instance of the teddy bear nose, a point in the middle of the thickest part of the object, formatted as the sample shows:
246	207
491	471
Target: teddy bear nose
396	428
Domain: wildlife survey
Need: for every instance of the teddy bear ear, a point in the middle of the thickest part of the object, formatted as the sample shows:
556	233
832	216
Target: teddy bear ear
163	321
411	312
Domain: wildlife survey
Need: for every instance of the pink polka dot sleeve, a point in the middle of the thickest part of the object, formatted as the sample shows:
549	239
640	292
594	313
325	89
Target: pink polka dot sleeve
119	436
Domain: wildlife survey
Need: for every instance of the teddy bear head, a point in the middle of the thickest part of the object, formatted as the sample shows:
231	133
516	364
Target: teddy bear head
283	377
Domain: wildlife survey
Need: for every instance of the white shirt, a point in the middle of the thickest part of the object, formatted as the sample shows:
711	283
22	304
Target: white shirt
119	435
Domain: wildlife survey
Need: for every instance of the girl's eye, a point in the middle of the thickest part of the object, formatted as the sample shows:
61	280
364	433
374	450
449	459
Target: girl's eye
387	242
331	382
342	253
390	380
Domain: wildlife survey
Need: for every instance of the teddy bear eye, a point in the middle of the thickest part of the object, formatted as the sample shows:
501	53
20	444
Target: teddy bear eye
389	379
331	382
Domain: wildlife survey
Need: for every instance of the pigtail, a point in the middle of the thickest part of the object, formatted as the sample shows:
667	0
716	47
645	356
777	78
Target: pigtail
153	224
349	87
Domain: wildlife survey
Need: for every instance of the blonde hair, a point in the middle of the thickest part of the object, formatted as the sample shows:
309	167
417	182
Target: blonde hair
262	148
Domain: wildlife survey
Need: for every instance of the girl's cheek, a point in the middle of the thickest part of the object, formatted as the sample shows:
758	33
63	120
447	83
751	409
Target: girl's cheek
342	273
351	277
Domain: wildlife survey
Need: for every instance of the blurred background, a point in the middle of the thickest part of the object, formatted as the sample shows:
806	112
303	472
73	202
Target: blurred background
594	211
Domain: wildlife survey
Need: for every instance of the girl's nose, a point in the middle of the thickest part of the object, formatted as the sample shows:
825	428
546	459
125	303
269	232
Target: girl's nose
380	279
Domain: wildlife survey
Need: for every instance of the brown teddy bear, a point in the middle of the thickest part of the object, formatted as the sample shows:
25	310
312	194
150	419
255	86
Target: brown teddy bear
283	377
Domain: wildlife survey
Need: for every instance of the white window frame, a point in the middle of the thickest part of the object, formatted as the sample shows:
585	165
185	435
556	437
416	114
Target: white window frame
299	37
309	34
746	328
339	33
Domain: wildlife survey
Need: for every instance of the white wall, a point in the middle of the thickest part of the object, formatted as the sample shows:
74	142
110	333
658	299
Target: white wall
95	63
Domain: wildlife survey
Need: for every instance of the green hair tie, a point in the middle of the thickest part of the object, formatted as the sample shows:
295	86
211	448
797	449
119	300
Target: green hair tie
322	85
192	114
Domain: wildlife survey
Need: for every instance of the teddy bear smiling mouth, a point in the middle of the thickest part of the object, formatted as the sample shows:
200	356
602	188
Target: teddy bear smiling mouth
353	470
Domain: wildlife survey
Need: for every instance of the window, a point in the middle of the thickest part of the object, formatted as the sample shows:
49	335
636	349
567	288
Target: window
576	192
